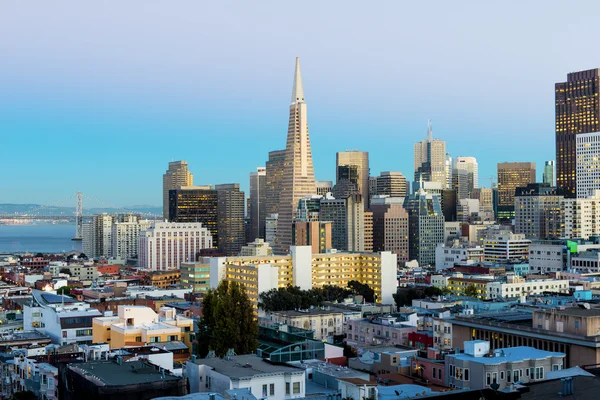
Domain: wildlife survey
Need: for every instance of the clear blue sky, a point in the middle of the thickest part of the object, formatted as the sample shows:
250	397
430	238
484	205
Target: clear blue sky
100	96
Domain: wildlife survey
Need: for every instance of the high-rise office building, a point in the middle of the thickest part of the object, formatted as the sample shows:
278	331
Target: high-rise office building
177	175
580	218
425	226
588	164
372	186
348	222
470	165
308	208
324	187
548	176
392	184
125	233
230	218
196	204
368	232
449	204
430	159
257	205
577	109
462	183
449	168
102	235
316	234
537	211
298	173
359	159
485	197
165	245
390	229
512	175
274	170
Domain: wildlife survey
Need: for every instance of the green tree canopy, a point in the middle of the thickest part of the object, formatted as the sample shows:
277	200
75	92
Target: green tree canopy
405	296
228	321
471	291
294	298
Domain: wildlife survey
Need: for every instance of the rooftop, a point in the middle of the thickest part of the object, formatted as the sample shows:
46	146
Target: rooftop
110	373
244	366
579	312
510	354
358	381
314	311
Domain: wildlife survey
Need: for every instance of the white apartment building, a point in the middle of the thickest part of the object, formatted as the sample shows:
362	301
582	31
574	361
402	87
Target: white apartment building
581	217
258	248
504	245
447	256
470	165
165	245
516	287
97	236
125	236
587	154
323	322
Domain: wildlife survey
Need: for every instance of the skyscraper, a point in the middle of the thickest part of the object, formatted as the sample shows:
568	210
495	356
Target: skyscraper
425	226
196	204
537	211
274	178
390	229
449	168
348	222
298	173
324	187
430	159
470	165
548	176
392	184
512	175
177	175
230	218
360	159
257	206
577	110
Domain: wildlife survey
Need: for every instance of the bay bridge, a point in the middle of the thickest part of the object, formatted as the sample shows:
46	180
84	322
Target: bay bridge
54	213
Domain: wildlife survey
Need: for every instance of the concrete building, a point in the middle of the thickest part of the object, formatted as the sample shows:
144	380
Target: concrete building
581	217
139	325
250	372
587	151
177	175
577	110
515	287
392	184
62	318
586	262
230	218
462	183
325	323
467	210
512	175
323	187
537	211
485	197
125	234
430	159
426	226
196	276
382	330
165	245
548	175
258	204
298	174
368	232
390	229
274	178
258	248
101	236
360	159
271	228
316	234
348	222
470	165
309	208
475	369
307	270
501	246
196	204
447	256
547	256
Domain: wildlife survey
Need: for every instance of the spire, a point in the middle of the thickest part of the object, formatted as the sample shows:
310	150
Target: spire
429	131
298	90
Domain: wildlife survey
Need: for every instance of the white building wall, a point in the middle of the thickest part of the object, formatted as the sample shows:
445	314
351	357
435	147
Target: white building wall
389	277
302	266
587	153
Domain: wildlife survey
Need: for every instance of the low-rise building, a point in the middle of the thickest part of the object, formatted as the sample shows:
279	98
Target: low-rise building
258	248
139	325
447	256
386	330
476	368
502	245
516	287
324	322
260	377
196	276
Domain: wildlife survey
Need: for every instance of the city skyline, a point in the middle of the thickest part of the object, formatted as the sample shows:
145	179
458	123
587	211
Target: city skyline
152	101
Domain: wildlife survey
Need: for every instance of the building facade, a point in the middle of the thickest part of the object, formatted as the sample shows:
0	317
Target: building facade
177	175
125	234
537	211
230	218
360	159
316	234
196	204
258	204
425	226
392	184
430	159
512	175
390	229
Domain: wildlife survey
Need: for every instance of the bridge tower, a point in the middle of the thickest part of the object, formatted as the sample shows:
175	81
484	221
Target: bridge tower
78	216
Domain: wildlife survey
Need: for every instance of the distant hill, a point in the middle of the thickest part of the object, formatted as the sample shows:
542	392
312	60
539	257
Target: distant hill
7	209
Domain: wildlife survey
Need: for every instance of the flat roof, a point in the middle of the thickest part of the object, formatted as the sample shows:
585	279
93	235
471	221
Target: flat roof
578	312
314	311
246	365
510	354
112	374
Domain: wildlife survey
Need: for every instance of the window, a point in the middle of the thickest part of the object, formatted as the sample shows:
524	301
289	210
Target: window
466	374
296	387
508	376
488	378
494	377
501	375
272	389
287	388
155	339
576	324
531	370
138	339
451	370
539	372
264	390
83	332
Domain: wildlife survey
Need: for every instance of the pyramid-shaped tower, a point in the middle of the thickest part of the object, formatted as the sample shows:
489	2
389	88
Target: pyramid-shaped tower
298	173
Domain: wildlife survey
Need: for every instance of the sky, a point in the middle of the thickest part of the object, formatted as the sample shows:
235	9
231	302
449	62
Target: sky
99	96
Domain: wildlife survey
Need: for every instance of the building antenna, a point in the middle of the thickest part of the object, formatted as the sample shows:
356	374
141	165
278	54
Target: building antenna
429	131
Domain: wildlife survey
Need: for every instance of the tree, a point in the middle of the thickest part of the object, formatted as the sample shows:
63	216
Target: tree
24	395
65	271
64	290
228	321
471	291
362	289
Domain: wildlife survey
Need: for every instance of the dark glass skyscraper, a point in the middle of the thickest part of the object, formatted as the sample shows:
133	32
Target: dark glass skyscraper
577	111
195	205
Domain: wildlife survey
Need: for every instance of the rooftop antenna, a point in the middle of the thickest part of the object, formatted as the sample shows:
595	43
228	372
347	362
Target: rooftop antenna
429	131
